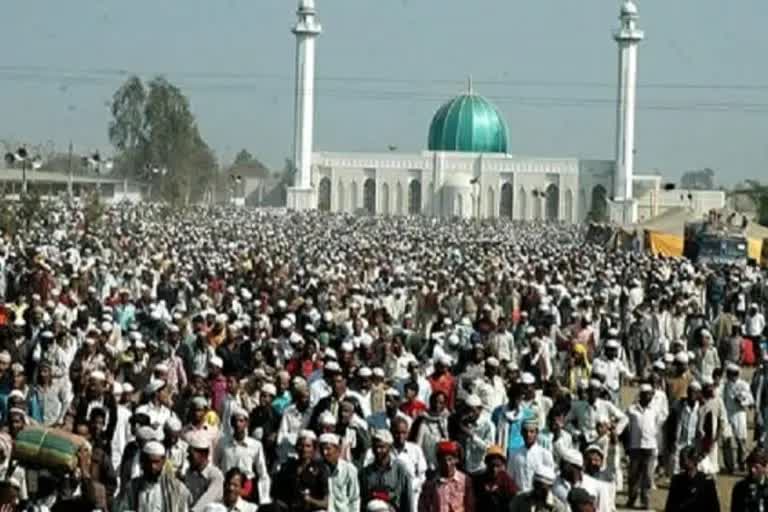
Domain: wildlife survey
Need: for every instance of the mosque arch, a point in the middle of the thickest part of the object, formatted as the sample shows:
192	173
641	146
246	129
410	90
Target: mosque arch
523	215
599	208
507	198
414	197
353	198
399	199
324	195
491	201
341	197
568	205
385	198
582	203
552	196
369	196
537	204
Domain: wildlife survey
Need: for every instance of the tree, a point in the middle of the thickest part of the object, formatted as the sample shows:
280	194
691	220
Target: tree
703	179
157	139
244	157
758	193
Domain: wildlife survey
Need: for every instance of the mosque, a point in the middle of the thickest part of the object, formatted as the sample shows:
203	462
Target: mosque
468	169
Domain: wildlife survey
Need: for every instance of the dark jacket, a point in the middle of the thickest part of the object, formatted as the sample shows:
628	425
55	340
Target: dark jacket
747	496
697	494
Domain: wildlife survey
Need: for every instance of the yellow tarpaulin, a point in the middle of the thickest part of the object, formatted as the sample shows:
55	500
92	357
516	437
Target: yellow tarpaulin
664	244
755	248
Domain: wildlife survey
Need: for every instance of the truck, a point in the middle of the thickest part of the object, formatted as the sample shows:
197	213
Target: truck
715	243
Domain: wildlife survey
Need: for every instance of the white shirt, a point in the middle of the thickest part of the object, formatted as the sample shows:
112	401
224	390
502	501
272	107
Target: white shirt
524	462
292	422
318	390
248	456
643	426
242	506
755	325
600	490
584	415
158	415
613	369
151	498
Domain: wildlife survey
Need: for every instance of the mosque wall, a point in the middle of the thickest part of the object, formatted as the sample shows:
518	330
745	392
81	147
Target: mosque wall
463	185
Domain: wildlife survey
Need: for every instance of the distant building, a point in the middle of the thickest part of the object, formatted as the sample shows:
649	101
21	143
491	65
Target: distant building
54	184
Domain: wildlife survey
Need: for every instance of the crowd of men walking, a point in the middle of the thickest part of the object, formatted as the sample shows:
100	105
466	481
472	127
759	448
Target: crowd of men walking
235	360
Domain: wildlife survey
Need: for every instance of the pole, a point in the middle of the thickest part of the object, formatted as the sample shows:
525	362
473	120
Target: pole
24	177
70	182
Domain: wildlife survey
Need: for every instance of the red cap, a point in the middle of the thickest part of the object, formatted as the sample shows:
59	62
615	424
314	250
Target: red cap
447	448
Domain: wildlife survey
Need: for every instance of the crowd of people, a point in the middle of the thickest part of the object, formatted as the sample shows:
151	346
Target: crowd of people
234	360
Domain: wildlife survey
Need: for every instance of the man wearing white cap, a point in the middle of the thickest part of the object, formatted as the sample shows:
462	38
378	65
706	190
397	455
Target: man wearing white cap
386	476
523	462
204	480
154	490
475	433
247	454
613	368
572	476
295	419
581	419
737	397
175	447
343	483
645	420
540	498
156	408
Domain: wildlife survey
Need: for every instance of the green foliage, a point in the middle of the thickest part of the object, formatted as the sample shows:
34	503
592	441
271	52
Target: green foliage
703	179
758	193
244	157
153	127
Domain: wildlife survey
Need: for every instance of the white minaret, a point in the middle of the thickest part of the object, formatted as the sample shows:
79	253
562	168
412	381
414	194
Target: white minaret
628	37
301	195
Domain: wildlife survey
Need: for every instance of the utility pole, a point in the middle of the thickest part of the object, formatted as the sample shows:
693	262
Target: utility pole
70	183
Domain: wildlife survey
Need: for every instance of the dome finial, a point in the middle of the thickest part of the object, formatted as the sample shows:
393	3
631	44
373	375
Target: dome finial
469	85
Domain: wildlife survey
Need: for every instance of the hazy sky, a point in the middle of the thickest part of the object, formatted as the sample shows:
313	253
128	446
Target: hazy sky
385	66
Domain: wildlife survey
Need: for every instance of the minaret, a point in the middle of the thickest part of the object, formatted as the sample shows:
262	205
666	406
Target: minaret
301	195
628	37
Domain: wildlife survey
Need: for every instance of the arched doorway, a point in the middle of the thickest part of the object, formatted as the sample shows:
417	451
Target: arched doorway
507	207
523	199
414	197
324	195
369	196
341	195
569	216
583	205
553	202
537	205
385	199
399	199
491	202
599	208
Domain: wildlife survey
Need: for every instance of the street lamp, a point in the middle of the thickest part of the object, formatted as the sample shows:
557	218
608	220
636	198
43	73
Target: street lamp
22	157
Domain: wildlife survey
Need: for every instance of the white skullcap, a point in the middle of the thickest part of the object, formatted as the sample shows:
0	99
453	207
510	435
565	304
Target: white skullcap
154	448
544	474
732	367
307	434
217	362
330	439
285	323
117	388
574	457
659	365
215	507
377	506
364	372
347	347
97	375
154	386
161	367
612	344
646	388
199	441
383	435
392	392
695	385
269	389
239	412
527	379
595	383
128	388
173	424
146	433
492	361
5	357
332	366
378	372
681	358
445	360
16	393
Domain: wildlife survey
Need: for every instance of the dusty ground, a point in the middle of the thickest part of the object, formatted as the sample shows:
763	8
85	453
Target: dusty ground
725	483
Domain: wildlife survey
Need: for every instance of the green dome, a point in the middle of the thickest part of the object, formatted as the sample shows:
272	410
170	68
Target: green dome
468	123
